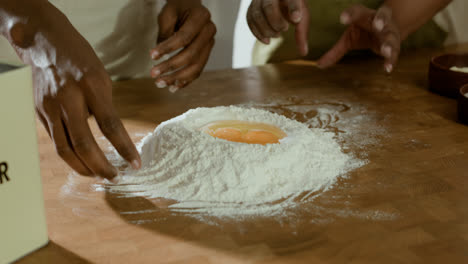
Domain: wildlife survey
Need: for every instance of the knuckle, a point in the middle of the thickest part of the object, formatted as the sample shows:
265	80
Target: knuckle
191	55
170	67
267	6
205	14
63	151
257	15
110	125
183	83
184	37
292	5
198	73
212	28
163	48
354	9
392	36
82	146
386	11
163	35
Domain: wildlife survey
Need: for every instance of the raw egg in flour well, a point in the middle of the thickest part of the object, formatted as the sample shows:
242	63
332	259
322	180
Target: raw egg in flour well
244	132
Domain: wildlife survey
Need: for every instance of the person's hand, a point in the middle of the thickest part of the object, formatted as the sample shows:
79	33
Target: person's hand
70	84
184	25
269	18
367	29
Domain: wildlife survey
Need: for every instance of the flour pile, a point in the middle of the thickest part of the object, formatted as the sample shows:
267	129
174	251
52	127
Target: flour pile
204	174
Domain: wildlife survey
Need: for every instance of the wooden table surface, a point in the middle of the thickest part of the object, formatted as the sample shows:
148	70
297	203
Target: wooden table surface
409	204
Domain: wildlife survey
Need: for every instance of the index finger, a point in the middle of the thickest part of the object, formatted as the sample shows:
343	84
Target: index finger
196	20
109	122
302	30
115	132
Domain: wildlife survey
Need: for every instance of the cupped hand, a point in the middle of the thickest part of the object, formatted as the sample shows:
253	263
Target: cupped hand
70	84
367	29
269	18
184	25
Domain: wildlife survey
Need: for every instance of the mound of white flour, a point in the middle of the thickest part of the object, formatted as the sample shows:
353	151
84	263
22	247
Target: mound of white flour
222	178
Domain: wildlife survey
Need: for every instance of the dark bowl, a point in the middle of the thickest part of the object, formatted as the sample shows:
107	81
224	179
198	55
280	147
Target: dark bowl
463	104
444	81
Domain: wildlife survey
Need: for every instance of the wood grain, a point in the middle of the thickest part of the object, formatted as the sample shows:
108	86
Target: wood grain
407	205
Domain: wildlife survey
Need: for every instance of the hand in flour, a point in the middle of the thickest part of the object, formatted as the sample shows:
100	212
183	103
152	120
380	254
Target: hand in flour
70	83
269	18
183	25
367	29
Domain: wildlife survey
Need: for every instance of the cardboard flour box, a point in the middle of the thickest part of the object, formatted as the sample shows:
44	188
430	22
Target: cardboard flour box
22	216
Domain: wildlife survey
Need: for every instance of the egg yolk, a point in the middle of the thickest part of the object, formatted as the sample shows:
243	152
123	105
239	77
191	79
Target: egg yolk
244	132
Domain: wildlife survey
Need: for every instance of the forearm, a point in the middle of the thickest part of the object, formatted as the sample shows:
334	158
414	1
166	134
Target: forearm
411	15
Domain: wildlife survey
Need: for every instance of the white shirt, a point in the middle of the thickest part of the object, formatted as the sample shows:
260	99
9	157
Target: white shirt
122	32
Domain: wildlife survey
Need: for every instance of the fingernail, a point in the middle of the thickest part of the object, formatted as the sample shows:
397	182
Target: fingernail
386	51
296	16
154	54
155	73
173	88
266	41
379	24
136	164
161	84
345	18
388	68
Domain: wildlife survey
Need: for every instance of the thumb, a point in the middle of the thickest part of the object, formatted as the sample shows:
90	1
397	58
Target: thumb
335	53
302	30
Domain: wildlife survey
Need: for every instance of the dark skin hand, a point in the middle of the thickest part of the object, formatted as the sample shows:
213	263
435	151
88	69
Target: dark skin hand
380	30
269	18
367	29
183	25
70	84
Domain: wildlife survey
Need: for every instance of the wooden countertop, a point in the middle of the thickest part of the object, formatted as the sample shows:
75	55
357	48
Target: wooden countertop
409	204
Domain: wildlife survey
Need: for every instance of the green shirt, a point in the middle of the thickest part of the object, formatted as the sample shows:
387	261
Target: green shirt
326	29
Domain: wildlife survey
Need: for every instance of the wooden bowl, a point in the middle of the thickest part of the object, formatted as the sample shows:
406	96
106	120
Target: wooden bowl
444	81
463	104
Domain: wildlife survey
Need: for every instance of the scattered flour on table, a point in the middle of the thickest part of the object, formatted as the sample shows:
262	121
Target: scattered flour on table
216	177
356	127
